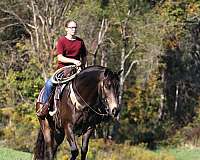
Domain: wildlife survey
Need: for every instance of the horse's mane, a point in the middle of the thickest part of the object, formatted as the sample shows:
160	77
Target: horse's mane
92	68
99	69
91	71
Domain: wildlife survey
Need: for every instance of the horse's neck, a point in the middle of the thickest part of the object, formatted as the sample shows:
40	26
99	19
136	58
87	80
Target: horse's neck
87	87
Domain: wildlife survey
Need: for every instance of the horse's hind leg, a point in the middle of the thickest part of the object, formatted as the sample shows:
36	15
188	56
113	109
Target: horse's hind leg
39	152
48	139
85	142
72	142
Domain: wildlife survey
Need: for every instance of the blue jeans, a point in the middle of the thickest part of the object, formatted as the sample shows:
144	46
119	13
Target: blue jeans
49	87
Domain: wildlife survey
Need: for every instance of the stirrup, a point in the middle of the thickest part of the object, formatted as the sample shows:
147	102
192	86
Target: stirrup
51	113
55	108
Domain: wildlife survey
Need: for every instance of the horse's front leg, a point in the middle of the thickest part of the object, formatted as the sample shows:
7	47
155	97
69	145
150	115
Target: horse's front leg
71	139
85	142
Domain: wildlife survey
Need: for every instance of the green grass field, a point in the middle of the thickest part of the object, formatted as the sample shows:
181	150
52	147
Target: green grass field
180	154
9	154
185	154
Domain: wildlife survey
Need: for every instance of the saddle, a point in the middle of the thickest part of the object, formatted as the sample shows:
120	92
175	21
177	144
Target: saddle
61	79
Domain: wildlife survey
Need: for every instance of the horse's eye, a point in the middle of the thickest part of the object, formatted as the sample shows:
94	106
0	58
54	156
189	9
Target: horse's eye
108	86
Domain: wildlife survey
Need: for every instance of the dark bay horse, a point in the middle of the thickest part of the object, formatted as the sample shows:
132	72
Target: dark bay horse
90	98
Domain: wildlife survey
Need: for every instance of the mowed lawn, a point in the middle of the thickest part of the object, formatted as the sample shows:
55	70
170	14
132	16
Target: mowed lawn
180	154
9	154
185	154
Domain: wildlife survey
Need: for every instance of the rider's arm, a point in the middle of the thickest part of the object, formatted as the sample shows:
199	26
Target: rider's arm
83	62
63	59
83	55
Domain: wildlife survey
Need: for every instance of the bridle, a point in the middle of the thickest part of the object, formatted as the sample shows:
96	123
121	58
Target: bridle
102	96
101	99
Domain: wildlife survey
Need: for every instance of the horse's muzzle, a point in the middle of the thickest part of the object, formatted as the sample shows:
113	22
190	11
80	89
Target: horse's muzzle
115	111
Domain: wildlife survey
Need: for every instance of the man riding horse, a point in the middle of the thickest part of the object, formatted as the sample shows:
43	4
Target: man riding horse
70	50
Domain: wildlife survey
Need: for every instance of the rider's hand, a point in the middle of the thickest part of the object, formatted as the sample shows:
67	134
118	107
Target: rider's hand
77	63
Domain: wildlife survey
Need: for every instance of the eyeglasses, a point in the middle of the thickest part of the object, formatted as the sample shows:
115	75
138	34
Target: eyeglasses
72	27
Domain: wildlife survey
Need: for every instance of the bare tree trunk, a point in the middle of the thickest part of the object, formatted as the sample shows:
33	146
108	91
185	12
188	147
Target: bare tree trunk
176	98
103	58
122	76
36	27
101	35
162	97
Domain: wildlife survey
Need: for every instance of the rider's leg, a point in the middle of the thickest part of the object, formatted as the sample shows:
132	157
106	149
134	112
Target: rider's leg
48	90
42	109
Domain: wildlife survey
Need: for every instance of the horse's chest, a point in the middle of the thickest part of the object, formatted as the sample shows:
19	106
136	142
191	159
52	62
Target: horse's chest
85	121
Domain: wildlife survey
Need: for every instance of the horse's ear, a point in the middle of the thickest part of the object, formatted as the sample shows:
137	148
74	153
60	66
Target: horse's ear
119	72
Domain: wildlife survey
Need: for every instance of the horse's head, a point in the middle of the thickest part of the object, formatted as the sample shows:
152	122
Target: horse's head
109	91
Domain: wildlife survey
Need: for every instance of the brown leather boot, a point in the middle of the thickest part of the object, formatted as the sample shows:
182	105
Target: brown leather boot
42	109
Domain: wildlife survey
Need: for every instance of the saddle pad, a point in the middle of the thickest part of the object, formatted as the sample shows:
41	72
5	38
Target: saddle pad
58	91
72	96
40	98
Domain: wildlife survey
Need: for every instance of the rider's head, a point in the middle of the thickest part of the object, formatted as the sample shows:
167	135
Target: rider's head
70	27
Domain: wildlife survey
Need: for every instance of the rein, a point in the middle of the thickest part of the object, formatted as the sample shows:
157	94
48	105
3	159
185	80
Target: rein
101	114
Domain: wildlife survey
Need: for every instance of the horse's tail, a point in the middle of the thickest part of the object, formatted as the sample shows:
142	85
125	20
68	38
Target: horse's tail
40	147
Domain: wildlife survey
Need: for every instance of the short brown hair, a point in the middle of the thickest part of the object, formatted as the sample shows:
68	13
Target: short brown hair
68	21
